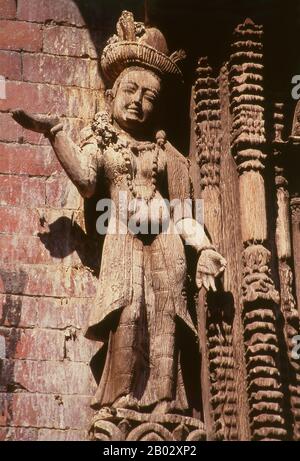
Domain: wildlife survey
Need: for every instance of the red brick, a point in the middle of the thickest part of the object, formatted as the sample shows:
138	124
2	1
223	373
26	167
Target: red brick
45	411
10	64
20	434
78	413
60	192
50	99
47	313
29	311
37	139
60	281
7	9
52	280
29	434
61	70
50	377
17	35
9	130
81	349
68	41
63	313
38	344
21	190
32	97
62	435
19	220
42	249
10	190
12	279
52	313
29	250
26	159
54	10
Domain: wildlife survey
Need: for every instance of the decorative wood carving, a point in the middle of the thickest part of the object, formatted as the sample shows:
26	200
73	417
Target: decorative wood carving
259	294
186	356
295	217
141	309
130	425
218	331
284	252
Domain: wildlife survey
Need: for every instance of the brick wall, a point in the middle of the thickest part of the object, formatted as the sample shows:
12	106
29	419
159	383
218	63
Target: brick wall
49	62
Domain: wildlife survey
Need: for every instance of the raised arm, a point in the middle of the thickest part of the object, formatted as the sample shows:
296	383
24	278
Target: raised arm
81	163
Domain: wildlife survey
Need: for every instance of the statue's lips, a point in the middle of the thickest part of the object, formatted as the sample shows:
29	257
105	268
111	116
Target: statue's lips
134	111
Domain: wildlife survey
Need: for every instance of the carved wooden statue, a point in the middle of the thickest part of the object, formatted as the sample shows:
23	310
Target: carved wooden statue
141	311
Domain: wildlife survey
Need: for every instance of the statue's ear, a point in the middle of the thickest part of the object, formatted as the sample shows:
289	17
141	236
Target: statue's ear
109	97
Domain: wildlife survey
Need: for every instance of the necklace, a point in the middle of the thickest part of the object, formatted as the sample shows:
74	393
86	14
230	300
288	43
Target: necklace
129	177
108	136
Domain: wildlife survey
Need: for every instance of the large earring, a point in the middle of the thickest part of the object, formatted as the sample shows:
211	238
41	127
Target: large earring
109	97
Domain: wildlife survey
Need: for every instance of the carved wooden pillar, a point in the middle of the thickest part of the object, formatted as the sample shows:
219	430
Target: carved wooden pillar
295	212
223	397
284	253
232	243
259	294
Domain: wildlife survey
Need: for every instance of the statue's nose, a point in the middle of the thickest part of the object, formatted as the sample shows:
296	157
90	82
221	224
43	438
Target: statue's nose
138	96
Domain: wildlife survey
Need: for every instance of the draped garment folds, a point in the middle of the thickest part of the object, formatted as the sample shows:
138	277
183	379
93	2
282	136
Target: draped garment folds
139	304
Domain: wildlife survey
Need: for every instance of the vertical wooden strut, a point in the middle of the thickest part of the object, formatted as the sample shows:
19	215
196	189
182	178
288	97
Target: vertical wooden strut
260	297
284	252
295	212
218	329
295	198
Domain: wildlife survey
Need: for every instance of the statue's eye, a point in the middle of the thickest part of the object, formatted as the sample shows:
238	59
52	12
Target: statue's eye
129	89
149	96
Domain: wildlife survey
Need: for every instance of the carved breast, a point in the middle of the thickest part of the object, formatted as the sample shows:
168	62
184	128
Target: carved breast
115	167
140	169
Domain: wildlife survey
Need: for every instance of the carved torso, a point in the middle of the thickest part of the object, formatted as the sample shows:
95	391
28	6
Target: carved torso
115	171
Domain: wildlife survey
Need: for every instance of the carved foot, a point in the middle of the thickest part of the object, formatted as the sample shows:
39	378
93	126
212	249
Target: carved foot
126	401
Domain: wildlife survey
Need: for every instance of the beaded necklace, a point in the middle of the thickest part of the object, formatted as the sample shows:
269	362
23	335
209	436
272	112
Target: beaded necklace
108	136
129	177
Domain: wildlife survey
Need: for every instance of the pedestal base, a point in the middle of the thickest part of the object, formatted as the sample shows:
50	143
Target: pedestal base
119	424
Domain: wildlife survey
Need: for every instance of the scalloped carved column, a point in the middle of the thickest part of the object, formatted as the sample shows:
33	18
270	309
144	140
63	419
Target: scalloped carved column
219	325
260	297
284	252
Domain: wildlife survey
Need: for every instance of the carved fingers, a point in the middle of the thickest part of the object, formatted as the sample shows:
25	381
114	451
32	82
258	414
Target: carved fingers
56	129
207	281
210	265
39	123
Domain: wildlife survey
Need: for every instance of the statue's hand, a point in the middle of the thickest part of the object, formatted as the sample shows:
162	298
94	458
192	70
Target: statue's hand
210	265
41	123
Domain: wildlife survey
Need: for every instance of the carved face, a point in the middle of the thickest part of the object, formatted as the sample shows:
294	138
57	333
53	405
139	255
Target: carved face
135	99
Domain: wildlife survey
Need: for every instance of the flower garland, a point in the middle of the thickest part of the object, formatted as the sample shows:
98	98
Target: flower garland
108	136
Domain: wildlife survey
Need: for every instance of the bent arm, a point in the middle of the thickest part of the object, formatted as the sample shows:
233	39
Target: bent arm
210	263
192	232
80	163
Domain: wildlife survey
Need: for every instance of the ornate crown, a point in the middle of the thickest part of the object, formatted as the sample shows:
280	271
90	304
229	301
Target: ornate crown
136	45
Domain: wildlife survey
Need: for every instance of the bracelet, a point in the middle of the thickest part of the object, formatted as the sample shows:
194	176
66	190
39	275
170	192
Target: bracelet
207	247
59	128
